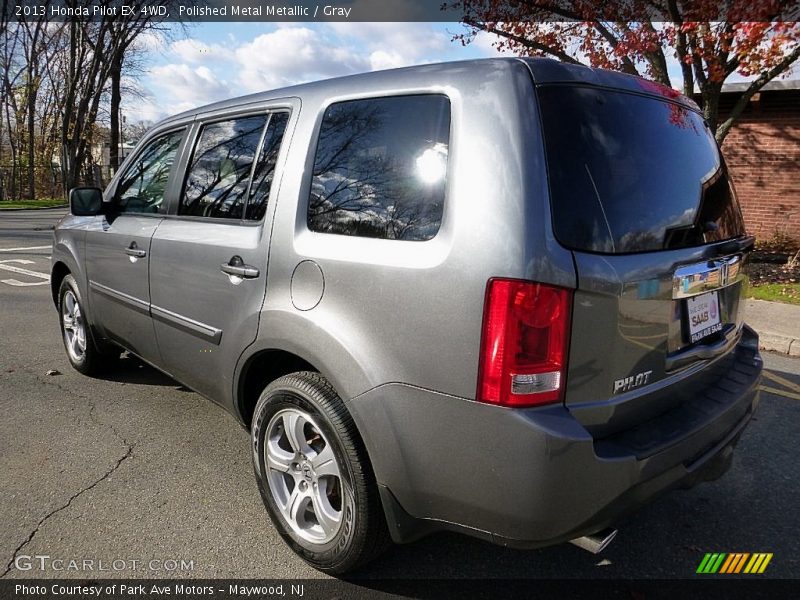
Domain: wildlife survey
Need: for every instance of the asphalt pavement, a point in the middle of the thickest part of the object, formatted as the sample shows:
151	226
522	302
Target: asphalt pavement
136	468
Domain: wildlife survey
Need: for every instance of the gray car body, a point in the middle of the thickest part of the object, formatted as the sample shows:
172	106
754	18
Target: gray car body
395	326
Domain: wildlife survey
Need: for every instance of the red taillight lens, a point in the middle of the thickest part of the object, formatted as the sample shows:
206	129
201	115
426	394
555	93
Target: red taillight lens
524	343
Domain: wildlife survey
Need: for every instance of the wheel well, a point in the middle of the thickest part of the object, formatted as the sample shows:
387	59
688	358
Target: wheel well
261	370
60	271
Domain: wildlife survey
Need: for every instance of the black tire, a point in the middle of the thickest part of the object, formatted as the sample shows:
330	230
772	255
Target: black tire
91	360
362	534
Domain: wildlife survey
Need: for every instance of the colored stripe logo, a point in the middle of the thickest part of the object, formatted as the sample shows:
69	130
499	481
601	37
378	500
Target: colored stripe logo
733	563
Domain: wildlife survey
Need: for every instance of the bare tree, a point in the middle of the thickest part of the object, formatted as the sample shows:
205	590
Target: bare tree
12	72
58	81
122	35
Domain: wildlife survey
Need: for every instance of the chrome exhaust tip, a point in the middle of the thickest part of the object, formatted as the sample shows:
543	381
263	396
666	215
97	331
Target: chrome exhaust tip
597	542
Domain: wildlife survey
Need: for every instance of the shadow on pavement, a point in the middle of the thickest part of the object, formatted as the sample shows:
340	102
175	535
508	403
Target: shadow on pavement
130	369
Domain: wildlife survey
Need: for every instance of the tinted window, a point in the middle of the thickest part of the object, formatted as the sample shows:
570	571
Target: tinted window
380	168
219	171
631	173
141	188
265	169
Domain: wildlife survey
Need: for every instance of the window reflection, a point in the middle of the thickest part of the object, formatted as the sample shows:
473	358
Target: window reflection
141	188
380	166
432	164
219	172
265	170
631	173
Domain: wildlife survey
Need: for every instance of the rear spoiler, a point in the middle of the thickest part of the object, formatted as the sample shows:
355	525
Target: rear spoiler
744	244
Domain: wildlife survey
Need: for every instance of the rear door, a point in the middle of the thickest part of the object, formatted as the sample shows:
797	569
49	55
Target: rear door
209	259
118	247
640	193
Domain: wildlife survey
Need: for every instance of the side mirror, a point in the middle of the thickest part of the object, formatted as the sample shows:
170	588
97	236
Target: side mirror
86	201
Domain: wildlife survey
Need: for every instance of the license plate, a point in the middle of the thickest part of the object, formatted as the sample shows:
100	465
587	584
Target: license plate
703	313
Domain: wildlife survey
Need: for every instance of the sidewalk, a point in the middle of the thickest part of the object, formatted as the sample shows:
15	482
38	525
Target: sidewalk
777	324
3	209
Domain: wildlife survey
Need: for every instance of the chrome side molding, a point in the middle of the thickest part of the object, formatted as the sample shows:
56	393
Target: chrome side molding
698	278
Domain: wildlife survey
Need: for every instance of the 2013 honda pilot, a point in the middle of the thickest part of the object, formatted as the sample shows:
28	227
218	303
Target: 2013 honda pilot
501	297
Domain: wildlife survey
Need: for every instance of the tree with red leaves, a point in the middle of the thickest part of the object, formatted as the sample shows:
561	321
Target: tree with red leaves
709	39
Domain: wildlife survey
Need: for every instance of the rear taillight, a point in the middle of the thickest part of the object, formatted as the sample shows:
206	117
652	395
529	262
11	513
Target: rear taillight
524	343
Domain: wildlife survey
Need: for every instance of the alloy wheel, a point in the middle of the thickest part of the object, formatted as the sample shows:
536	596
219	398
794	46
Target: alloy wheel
305	479
74	326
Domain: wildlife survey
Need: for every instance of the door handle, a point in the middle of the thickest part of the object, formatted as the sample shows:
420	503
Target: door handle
134	251
236	267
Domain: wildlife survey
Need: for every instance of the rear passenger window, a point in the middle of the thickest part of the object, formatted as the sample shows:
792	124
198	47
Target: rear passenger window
265	170
219	171
380	168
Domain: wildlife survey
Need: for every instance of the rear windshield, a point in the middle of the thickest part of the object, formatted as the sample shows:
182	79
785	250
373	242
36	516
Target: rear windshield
632	173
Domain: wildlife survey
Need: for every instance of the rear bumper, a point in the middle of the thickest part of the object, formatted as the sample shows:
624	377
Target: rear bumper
530	478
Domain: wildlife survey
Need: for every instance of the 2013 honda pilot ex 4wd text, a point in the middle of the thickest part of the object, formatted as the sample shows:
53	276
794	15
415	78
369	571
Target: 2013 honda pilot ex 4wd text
501	297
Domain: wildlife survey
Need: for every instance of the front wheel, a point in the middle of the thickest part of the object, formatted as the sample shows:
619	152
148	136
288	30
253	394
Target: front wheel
314	475
82	352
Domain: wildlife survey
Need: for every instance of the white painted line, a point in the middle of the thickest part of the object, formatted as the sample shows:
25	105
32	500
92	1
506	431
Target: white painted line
21	261
7	267
27	248
16	283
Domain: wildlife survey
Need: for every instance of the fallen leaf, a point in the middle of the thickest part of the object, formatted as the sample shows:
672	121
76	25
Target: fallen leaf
52	372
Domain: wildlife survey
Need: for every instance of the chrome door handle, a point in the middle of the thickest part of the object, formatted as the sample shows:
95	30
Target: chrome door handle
134	251
237	268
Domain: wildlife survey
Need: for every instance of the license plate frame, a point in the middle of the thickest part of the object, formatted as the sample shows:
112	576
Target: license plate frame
703	317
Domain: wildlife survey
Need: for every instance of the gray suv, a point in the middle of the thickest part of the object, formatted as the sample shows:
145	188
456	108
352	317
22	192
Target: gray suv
500	297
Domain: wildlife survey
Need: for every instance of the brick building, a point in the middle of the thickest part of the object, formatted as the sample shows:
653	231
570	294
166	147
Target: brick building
763	154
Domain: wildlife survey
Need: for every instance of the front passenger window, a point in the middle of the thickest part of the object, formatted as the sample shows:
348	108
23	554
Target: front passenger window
141	188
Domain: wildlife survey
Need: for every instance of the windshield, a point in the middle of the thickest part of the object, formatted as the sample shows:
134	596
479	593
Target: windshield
632	173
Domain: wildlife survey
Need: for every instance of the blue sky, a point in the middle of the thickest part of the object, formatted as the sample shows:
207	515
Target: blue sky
212	61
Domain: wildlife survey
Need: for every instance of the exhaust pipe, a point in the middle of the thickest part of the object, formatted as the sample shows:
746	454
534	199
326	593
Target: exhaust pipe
597	542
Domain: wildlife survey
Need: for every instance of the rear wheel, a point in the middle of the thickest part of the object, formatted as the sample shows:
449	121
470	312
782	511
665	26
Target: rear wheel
314	475
82	352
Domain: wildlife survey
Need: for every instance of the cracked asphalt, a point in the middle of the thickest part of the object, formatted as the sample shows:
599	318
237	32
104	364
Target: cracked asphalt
136	468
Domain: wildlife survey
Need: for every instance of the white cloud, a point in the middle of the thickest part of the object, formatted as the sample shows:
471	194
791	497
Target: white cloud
149	41
186	87
199	72
194	51
144	112
394	45
291	55
381	59
484	43
416	38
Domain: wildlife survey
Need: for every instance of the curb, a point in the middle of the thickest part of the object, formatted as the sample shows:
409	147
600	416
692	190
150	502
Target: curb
776	342
35	208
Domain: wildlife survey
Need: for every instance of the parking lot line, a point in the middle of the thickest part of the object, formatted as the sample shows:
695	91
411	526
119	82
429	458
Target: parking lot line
18	283
778	392
6	267
26	248
781	381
